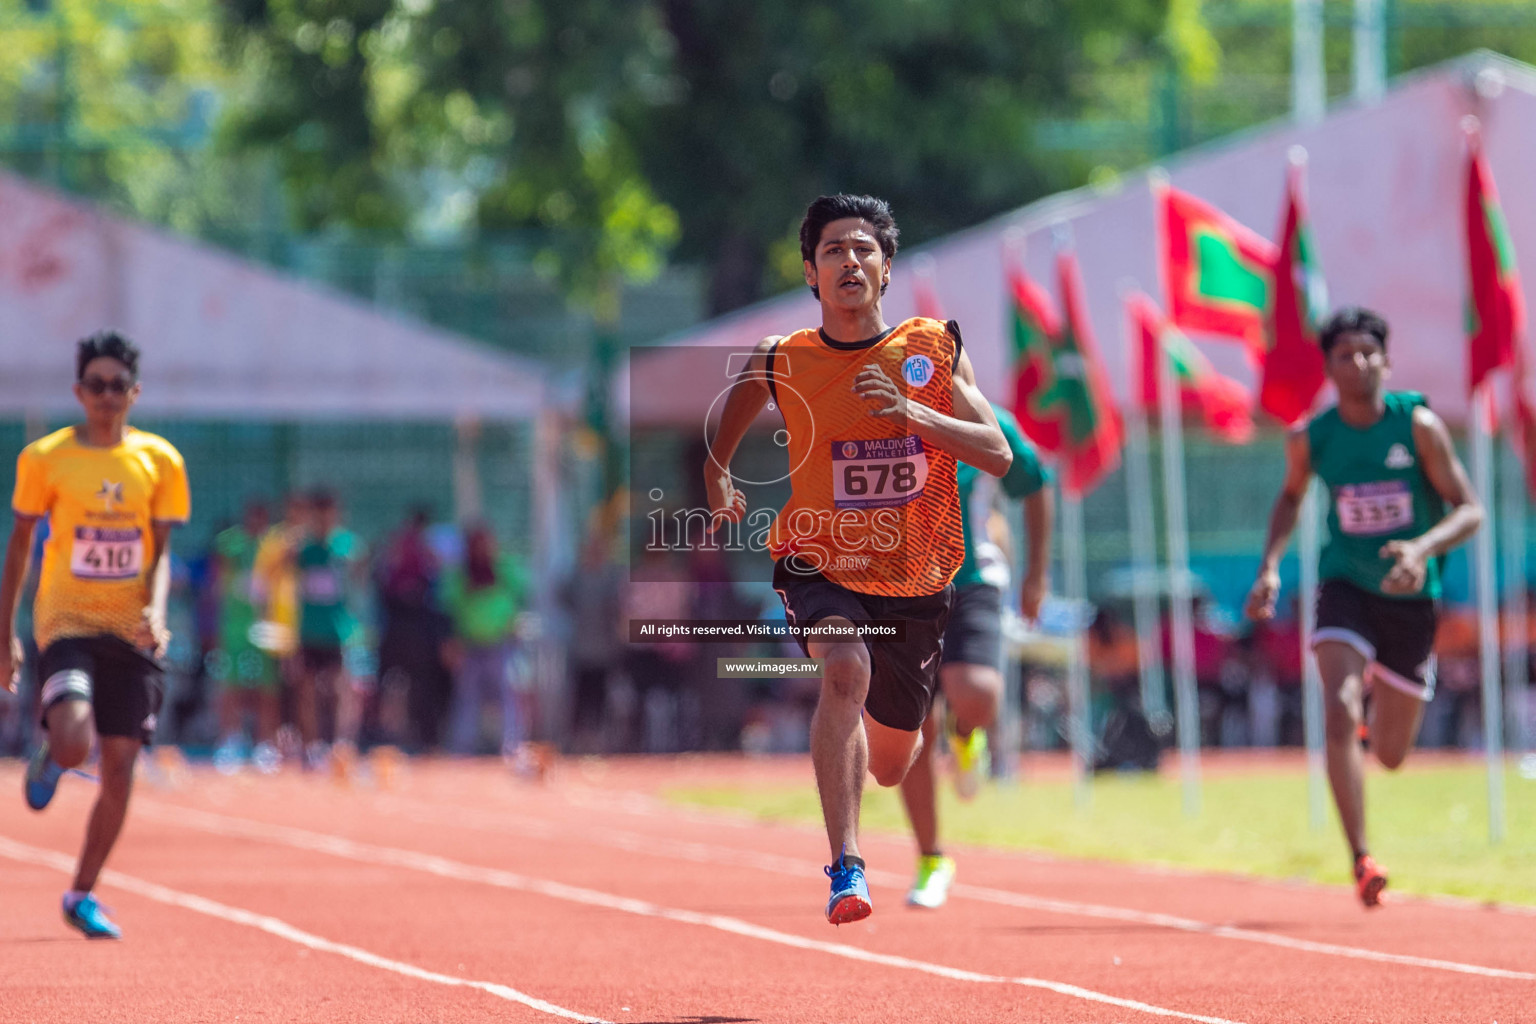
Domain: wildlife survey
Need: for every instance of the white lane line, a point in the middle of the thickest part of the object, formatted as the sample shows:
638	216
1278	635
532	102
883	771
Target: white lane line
283	930
645	805
368	853
704	853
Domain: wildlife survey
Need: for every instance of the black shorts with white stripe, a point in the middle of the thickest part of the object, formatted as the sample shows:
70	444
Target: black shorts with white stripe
123	684
1396	636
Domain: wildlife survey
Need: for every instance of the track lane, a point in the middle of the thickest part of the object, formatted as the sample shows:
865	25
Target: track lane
1053	949
662	970
555	832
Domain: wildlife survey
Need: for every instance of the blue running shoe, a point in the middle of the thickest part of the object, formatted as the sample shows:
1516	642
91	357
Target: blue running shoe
850	892
91	918
42	778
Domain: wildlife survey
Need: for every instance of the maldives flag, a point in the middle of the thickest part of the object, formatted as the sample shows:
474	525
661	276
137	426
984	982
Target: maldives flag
1034	326
1219	274
1495	306
1222	402
1293	373
1062	397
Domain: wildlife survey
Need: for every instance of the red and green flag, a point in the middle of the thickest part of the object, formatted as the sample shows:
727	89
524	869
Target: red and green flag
1495	306
1062	397
1222	402
1034	325
1219	274
1292	374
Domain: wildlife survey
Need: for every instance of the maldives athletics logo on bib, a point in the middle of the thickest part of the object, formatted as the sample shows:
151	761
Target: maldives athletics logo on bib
917	370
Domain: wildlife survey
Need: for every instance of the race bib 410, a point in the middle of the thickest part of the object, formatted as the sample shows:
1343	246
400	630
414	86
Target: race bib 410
106	554
881	473
1366	510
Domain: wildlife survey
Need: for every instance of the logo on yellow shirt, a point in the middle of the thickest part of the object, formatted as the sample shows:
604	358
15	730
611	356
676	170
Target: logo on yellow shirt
111	495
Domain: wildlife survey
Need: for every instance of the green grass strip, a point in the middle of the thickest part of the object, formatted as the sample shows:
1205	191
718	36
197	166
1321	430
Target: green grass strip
1428	825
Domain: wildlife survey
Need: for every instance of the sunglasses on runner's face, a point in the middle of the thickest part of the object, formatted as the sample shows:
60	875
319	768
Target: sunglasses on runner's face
99	386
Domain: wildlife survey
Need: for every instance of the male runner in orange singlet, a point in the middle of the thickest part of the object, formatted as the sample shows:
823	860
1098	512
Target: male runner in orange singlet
877	417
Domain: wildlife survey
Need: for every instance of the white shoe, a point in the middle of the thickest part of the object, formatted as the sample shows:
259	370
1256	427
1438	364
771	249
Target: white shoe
931	886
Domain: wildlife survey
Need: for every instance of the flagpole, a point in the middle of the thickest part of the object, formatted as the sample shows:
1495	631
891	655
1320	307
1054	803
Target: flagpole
1186	701
1076	578
1311	679
1149	652
1516	637
1138	492
1488	612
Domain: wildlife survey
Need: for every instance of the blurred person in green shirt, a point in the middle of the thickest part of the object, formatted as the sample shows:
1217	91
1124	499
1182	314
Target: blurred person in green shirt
483	597
330	564
246	674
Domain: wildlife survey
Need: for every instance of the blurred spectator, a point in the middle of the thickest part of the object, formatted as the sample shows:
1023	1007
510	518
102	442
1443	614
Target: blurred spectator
275	587
412	630
1242	669
656	670
247	675
714	709
1126	738
592	597
483	597
1210	657
329	565
1278	647
1112	656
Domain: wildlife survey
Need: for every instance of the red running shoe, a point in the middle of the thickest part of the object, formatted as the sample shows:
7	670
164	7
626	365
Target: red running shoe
1370	880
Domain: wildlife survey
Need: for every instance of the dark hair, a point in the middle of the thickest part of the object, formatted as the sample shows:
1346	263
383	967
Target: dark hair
479	565
1352	320
827	209
322	499
109	344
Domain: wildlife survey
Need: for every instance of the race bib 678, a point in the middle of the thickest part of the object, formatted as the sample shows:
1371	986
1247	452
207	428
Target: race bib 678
880	473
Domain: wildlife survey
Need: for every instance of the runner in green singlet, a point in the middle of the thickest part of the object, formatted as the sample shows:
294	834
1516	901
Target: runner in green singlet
1391	472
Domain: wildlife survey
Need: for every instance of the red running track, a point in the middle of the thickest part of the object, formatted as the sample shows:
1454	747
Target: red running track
458	893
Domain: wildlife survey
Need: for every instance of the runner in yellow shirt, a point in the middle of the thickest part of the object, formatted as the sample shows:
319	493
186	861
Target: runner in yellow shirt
111	495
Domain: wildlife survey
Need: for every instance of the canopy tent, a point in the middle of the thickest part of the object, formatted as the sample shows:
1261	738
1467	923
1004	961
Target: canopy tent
222	338
1385	191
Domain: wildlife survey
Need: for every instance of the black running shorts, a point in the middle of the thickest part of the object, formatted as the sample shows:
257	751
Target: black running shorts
904	675
974	635
123	684
321	658
1395	635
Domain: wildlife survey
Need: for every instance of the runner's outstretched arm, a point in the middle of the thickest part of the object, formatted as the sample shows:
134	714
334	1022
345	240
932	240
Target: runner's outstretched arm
748	396
1282	521
18	552
154	635
1037	531
1449	478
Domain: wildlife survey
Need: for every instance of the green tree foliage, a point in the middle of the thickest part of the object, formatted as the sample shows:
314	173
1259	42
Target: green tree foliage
306	95
115	100
927	103
608	127
504	111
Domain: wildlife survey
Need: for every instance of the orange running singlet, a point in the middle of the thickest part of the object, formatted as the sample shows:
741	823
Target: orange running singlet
872	506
